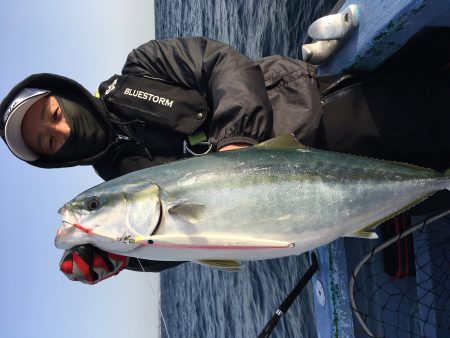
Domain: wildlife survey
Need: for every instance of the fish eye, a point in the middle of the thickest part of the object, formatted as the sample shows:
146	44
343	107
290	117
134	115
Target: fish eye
92	203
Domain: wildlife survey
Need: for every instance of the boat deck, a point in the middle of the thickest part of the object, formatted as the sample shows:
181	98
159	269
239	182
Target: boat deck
392	36
385	27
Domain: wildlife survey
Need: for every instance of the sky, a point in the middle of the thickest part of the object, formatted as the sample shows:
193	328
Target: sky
87	41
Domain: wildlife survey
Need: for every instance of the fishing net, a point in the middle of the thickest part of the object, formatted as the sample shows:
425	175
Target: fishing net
412	299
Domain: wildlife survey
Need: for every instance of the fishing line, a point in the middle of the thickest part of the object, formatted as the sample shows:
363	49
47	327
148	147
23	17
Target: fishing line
89	231
131	229
154	293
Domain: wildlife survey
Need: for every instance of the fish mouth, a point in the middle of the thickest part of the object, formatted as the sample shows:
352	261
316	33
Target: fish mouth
68	219
63	238
62	210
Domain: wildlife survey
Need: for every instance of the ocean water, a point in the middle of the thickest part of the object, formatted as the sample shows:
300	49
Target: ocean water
197	301
254	27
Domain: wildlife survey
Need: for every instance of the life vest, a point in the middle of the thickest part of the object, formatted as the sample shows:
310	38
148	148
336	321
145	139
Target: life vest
158	104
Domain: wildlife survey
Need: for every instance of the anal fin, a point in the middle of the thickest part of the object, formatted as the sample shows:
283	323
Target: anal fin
226	265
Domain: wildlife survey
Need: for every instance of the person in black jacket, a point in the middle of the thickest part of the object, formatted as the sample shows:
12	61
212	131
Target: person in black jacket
171	96
186	96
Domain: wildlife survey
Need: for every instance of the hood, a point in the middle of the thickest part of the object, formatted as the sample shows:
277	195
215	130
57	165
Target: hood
57	84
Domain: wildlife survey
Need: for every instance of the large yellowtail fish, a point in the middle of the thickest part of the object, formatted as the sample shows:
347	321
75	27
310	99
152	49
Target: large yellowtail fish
275	199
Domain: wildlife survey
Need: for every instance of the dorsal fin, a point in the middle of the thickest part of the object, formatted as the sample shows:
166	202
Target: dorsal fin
282	142
414	167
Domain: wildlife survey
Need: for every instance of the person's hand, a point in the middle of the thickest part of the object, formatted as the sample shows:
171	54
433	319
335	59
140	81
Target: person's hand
234	146
90	265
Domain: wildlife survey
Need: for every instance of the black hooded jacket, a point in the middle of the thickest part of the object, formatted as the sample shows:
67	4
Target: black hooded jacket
215	90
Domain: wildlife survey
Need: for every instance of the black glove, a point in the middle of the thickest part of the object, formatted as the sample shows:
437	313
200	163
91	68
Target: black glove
90	265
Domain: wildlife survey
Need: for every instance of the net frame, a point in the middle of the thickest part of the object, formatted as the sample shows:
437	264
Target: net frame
395	294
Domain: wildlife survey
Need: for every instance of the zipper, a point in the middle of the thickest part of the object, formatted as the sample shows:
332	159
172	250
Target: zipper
324	99
342	86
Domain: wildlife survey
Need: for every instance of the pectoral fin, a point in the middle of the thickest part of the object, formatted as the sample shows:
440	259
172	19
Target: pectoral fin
189	212
226	265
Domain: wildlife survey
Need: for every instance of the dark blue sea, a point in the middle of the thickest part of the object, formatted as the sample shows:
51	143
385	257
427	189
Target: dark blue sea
200	302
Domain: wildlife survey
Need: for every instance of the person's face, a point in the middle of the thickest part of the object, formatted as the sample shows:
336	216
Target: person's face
44	127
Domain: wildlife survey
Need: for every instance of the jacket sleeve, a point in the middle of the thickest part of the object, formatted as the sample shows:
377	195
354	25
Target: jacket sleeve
232	84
